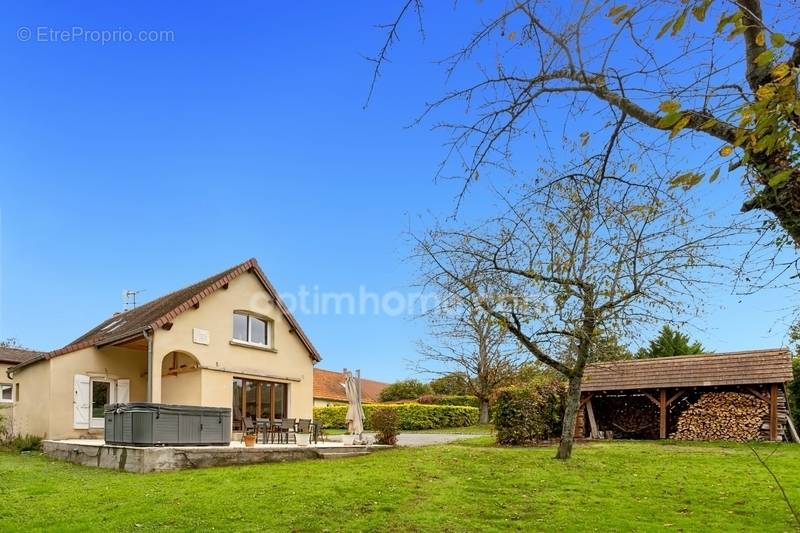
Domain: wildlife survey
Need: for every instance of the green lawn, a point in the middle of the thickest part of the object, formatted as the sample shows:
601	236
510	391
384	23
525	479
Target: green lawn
471	485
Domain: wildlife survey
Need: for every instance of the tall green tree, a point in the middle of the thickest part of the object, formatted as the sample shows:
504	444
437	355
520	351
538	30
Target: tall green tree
406	389
450	384
670	342
794	387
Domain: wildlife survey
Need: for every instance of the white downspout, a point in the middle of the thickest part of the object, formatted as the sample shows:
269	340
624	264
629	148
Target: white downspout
149	365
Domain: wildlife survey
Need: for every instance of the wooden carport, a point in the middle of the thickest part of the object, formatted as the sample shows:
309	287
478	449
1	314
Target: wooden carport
666	380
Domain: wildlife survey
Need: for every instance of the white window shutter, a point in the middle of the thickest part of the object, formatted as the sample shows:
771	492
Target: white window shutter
81	401
123	391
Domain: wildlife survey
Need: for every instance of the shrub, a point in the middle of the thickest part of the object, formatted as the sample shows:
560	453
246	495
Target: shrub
408	389
385	422
525	415
410	416
25	443
433	399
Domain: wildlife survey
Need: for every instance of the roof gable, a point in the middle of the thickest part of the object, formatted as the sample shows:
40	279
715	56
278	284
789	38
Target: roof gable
160	311
753	367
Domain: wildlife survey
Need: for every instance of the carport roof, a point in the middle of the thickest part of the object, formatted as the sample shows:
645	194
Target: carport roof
755	367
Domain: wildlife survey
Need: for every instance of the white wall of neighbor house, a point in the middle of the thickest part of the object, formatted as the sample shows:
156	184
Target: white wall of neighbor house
322	402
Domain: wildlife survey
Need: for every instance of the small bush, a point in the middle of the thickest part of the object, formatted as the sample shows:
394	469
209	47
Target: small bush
385	422
525	415
411	416
25	443
407	389
433	399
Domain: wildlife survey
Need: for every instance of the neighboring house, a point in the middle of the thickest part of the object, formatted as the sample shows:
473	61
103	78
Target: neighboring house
328	389
227	341
10	357
9	390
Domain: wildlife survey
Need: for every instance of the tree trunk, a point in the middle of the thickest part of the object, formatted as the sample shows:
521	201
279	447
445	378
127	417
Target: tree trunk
484	419
570	415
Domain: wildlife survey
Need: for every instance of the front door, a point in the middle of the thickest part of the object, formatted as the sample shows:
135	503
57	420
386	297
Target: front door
102	393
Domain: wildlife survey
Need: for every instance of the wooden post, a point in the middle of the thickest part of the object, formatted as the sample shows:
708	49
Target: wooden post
595	433
579	433
773	412
662	411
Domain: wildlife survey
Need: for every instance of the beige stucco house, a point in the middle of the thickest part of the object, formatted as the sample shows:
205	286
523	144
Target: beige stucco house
9	389
227	341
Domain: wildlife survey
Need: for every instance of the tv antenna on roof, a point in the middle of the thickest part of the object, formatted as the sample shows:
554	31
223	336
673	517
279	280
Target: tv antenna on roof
129	298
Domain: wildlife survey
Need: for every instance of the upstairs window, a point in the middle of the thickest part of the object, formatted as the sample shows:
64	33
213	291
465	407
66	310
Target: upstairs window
252	329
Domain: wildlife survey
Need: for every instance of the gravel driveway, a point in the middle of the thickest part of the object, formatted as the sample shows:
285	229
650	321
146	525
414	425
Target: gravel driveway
426	439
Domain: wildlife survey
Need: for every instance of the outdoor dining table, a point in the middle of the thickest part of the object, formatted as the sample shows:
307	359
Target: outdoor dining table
271	428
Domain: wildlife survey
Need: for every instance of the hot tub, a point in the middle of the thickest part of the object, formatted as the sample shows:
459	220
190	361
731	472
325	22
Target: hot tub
154	424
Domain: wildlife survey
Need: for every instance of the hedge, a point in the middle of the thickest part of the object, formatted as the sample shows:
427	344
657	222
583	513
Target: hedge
434	399
410	416
525	415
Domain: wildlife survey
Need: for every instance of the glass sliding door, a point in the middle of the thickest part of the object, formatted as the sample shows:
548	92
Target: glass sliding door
258	399
280	400
266	400
238	402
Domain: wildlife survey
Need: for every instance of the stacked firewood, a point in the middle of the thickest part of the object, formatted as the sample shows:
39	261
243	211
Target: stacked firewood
635	421
722	416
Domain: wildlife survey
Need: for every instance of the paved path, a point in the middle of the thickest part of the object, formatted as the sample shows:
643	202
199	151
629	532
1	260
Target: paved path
426	439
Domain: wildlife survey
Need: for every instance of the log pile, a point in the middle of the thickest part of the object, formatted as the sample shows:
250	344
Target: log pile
730	416
628	418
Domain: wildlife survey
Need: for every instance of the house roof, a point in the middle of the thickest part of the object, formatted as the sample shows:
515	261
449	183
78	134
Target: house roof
16	355
754	367
161	311
327	386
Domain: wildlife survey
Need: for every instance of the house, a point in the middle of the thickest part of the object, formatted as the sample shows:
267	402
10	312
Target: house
328	389
657	391
226	341
9	390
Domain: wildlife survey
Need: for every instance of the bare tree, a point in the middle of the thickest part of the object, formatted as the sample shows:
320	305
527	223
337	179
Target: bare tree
719	77
576	260
471	342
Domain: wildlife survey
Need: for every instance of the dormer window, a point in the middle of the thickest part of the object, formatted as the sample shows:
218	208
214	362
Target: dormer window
252	329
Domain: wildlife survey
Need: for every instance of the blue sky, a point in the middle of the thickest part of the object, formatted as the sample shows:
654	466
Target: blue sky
153	165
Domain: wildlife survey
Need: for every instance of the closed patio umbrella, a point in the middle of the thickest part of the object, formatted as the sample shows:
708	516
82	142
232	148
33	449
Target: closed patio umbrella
355	413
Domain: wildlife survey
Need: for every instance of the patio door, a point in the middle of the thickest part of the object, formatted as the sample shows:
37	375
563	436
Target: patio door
258	399
102	393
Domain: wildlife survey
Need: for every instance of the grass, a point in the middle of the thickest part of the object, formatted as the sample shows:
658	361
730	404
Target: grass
470	485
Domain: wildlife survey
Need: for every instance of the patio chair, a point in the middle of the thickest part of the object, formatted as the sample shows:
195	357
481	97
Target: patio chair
247	426
319	433
287	429
304	425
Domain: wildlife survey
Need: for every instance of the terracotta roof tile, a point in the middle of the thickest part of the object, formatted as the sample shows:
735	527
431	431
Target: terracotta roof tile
16	355
327	386
707	370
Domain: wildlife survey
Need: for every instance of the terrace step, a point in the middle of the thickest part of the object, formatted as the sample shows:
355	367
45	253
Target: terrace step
341	454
